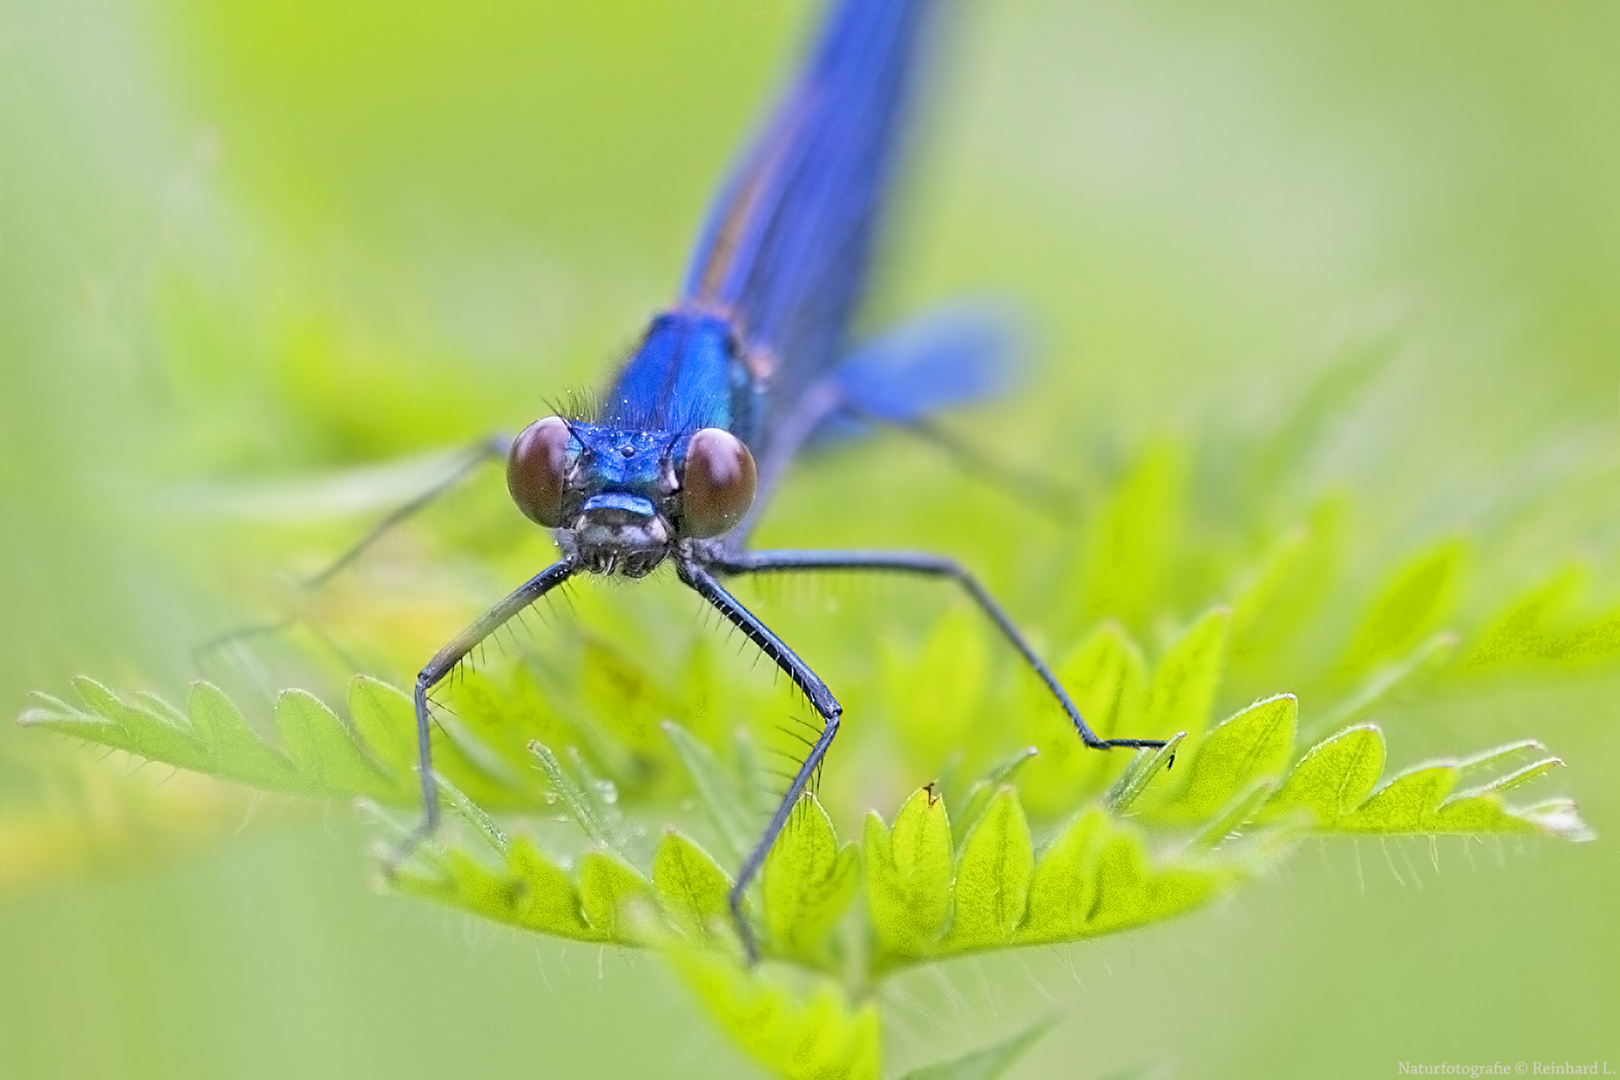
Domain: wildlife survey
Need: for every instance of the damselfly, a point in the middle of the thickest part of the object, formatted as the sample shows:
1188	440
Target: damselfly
728	384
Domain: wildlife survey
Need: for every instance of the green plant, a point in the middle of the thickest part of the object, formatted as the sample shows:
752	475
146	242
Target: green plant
993	848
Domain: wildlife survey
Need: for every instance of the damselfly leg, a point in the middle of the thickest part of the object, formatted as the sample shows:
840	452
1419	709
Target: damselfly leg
821	699
702	579
928	565
489	449
440	667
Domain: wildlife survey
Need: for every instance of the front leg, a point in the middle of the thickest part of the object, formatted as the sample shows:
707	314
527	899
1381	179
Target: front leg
442	664
821	699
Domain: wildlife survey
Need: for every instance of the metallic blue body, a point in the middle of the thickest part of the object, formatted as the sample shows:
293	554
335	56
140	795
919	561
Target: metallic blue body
783	259
759	346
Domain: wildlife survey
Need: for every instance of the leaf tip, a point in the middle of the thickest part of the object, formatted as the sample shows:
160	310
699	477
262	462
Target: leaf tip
1562	819
36	714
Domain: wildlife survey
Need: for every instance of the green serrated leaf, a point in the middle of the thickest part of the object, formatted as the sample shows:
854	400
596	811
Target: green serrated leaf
1408	607
1255	743
1473	814
1238	810
1107	678
1131	893
1097	879
1424	800
809	879
1332	780
50	706
234	749
990	1062
385	721
1131	540
1186	680
433	884
1519	631
1421	800
692	887
936	694
1146	766
150	702
908	874
483	890
992	878
144	732
1429	656
62	718
474	815
1062	887
983	790
582	804
1406	803
625	699
716	790
1532	771
324	750
529	892
617	901
552	904
1254	613
818	1037
100	699
1489	761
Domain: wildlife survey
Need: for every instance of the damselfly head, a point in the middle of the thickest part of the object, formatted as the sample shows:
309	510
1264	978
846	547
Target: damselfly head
620	499
610	493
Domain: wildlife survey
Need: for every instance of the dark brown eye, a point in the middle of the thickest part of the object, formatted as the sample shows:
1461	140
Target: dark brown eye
537	470
718	486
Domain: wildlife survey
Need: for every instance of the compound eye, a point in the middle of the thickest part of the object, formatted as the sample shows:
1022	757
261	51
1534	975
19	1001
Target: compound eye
718	486
537	470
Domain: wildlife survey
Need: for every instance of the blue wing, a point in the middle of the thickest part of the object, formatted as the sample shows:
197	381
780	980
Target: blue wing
952	356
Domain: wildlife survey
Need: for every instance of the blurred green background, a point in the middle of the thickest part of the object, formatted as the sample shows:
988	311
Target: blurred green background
247	249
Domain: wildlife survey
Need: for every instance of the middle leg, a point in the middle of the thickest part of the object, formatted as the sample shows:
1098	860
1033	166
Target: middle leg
938	566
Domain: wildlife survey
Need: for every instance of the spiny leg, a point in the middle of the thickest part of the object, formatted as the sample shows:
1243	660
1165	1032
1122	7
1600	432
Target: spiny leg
758	562
443	663
820	698
492	448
